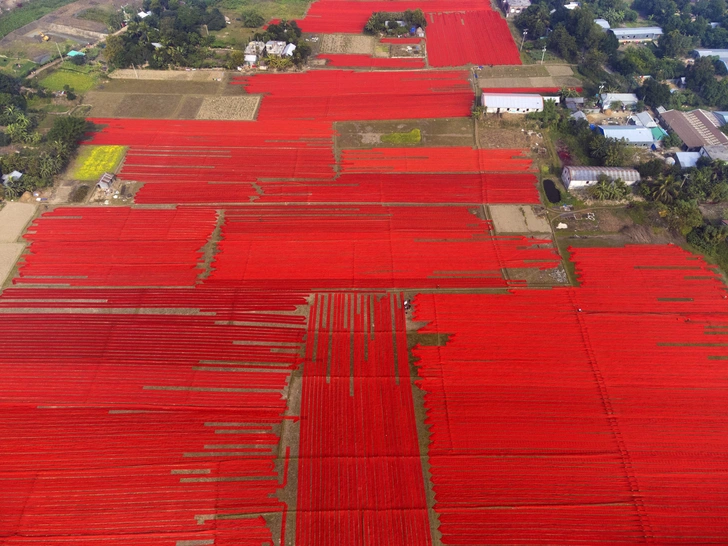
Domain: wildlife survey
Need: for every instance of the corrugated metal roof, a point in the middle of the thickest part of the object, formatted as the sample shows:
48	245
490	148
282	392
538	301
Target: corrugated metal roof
722	53
602	23
630	133
592	173
512	100
695	128
644	119
624	98
687	159
658	133
715	152
636	30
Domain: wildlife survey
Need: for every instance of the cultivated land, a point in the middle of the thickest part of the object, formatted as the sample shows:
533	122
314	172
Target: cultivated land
295	324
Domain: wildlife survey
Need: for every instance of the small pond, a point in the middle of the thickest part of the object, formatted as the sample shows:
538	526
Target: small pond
552	192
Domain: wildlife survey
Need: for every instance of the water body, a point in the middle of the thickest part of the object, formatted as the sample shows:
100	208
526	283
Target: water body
552	192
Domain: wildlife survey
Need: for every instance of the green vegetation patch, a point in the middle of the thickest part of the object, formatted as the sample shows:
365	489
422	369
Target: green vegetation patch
97	14
78	78
410	138
10	66
32	11
281	9
94	161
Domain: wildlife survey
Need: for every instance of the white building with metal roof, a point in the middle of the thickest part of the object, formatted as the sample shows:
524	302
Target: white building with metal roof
687	159
603	23
634	135
628	100
512	103
582	177
637	34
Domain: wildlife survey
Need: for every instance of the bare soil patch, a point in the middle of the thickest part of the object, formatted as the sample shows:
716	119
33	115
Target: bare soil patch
232	108
508	131
347	44
168	75
9	254
559	70
163	99
518	219
14	217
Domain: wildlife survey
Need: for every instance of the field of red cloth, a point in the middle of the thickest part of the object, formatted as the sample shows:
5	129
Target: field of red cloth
333	16
218	151
582	415
470	37
433	160
146	416
365	61
359	475
354	188
340	95
323	247
87	246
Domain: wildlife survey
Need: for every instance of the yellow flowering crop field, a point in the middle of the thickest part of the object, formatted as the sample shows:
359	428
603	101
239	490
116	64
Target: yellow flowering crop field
93	161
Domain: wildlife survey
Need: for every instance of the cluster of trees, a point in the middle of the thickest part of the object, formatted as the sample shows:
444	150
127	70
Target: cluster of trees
689	20
252	19
386	21
47	157
176	26
678	193
571	34
607	189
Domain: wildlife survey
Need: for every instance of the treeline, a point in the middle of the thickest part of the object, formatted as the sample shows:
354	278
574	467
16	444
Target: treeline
176	29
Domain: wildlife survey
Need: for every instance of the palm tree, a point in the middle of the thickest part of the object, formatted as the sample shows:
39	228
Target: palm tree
665	190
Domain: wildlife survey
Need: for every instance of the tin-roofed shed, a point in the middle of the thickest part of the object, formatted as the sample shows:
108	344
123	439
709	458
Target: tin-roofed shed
512	103
581	177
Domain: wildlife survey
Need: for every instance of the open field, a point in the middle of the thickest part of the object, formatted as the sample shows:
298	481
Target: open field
347	44
79	78
168	99
518	219
433	132
167	75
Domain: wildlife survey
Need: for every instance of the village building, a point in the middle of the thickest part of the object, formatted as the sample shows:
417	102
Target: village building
642	119
722	54
274	48
715	153
627	100
512	103
696	129
637	34
513	7
687	160
635	136
582	177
